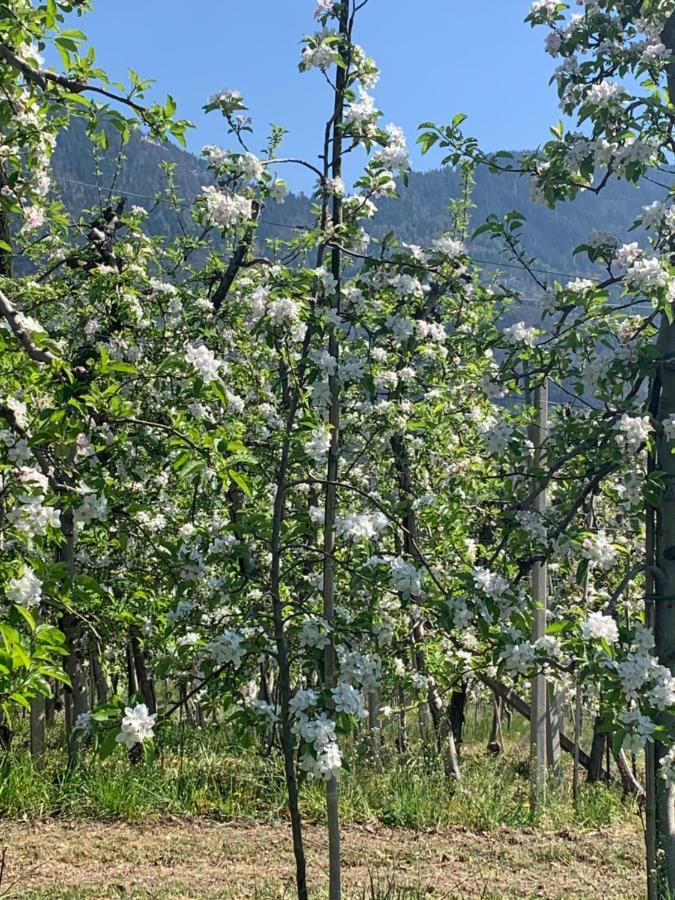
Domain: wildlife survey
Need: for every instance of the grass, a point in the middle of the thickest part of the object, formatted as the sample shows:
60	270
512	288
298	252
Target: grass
209	773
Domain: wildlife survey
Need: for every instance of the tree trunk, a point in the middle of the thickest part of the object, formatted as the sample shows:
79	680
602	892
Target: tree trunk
457	714
539	579
402	737
495	742
132	675
597	751
664	540
146	684
523	708
38	742
439	717
71	626
99	676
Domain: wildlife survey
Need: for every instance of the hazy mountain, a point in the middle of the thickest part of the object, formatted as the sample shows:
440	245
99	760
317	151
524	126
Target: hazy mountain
420	215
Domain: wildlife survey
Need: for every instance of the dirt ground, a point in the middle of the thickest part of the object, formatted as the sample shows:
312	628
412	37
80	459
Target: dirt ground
206	860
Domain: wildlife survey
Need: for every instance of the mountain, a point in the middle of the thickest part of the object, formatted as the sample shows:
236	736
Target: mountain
420	215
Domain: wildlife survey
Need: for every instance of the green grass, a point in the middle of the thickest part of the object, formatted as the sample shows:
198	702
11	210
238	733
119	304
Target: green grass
208	773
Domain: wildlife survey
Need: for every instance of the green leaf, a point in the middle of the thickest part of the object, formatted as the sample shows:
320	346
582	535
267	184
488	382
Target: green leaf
108	743
240	479
27	616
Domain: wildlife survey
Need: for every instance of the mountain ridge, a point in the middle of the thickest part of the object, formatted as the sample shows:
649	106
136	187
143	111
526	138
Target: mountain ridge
420	215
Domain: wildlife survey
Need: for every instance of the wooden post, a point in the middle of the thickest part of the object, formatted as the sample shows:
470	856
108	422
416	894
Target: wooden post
538	730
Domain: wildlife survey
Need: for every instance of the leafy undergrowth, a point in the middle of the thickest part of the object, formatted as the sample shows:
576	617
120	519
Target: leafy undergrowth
205	773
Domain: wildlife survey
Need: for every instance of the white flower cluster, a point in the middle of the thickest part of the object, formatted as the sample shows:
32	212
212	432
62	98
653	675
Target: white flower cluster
26	590
490	583
225	209
519	658
361	526
531	522
640	730
604	93
32	518
227	648
137	725
228	101
318	55
250	167
496	435
348	700
641	672
94	508
361	112
281	312
318	733
324	8
646	274
633	431
318	445
395	157
359	669
600	550
204	361
520	333
449	247
405	578
314	633
600	627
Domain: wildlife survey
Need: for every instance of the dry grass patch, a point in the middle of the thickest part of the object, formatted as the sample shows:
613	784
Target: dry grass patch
205	860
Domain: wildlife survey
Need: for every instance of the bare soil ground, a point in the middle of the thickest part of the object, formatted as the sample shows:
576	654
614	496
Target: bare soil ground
205	860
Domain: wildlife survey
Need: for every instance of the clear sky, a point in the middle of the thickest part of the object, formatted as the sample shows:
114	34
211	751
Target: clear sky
437	58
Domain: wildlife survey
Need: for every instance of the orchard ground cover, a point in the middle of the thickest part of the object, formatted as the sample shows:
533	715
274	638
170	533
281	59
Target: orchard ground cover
203	860
207	819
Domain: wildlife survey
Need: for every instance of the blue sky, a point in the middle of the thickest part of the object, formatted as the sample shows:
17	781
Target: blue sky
437	57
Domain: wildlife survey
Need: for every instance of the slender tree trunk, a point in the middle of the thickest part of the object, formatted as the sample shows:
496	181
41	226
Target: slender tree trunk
439	717
457	714
50	705
402	738
495	742
6	734
374	733
597	751
444	733
99	676
146	684
664	609
539	692
332	800
38	736
71	626
577	743
5	237
132	675
284	682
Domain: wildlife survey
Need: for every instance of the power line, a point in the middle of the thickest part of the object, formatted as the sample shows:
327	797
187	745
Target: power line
185	203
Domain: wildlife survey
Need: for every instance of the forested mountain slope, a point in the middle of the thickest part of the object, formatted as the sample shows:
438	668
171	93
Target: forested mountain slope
420	215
